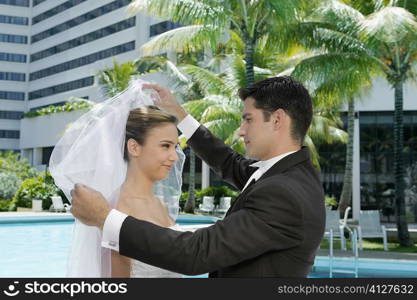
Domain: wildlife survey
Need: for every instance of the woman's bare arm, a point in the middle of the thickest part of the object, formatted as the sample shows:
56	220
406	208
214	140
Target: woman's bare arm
120	265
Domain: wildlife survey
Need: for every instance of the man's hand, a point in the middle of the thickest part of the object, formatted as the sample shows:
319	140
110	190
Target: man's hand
89	206
167	101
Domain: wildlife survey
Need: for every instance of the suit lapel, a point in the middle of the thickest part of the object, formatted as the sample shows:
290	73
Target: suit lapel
242	195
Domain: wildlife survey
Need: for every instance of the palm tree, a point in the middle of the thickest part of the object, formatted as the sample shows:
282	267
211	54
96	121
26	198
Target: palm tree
206	21
220	108
382	43
116	79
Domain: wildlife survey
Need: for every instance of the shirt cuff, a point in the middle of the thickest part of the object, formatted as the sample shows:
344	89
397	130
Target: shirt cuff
188	126
111	229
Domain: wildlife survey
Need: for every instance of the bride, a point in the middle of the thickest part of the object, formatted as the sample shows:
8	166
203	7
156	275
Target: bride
127	149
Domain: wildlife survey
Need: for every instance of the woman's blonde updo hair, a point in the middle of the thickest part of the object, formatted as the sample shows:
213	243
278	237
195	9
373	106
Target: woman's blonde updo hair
141	120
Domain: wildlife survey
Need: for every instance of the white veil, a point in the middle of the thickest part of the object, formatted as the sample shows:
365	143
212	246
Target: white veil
91	152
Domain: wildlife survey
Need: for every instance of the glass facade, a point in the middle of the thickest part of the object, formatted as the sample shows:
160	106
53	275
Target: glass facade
9	134
13	38
11	115
89	37
376	162
14	57
6	95
37	2
85	60
12	76
56	10
61	88
162	27
15	2
95	13
14	20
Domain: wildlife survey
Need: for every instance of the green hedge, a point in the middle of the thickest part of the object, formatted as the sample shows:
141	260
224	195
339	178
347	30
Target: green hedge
69	106
10	162
216	191
4	205
9	184
39	187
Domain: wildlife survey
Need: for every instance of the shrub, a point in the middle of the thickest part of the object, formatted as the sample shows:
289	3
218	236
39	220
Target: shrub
10	162
330	201
9	184
4	205
217	192
40	187
72	104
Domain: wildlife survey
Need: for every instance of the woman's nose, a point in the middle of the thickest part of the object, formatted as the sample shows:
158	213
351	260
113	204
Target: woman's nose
174	156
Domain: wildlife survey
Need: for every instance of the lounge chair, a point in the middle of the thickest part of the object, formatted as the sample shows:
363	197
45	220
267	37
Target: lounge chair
224	205
208	205
58	205
335	227
370	227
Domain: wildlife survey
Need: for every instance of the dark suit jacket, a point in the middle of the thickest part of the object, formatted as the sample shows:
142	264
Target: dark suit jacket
273	229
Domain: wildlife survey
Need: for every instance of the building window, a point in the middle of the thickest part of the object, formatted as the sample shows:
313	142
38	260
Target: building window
95	13
85	60
11	115
61	88
9	134
84	39
15	2
13	20
56	10
46	154
162	27
13	38
12	76
12	95
12	57
37	2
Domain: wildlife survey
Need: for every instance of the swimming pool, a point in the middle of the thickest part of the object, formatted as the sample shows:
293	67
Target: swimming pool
38	247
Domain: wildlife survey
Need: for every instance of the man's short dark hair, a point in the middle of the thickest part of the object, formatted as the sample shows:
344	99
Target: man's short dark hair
286	93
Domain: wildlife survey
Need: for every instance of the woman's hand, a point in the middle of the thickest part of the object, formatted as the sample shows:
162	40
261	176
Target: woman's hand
166	100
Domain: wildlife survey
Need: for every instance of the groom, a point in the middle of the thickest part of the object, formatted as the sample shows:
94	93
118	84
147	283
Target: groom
274	227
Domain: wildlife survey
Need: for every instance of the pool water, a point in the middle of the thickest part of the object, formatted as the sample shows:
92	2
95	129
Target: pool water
29	250
367	268
41	250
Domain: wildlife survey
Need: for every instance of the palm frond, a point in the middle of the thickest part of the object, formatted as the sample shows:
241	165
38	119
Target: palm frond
186	12
388	25
183	39
209	82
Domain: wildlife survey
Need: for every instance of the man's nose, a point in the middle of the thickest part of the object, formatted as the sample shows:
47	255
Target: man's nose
242	130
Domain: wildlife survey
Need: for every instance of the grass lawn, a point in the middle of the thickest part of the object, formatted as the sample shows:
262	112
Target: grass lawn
371	245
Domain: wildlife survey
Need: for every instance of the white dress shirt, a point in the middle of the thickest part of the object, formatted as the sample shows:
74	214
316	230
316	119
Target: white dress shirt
189	125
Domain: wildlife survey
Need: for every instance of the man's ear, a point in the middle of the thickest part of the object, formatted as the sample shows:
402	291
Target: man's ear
278	118
133	148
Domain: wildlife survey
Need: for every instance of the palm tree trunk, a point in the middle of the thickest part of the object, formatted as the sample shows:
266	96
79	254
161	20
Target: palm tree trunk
346	196
190	203
249	49
402	227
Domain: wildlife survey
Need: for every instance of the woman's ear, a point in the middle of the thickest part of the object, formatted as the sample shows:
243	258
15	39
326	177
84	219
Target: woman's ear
133	147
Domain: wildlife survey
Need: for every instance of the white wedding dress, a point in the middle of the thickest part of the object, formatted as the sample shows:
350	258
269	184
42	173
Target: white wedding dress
139	269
